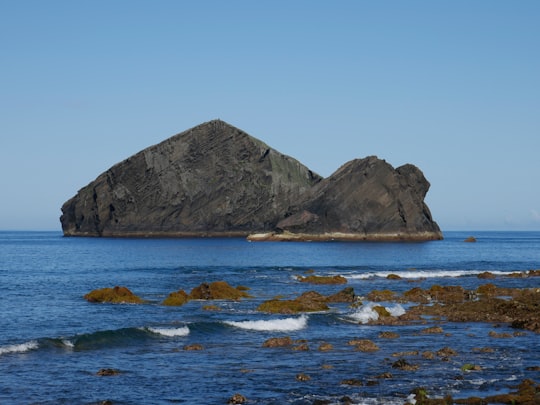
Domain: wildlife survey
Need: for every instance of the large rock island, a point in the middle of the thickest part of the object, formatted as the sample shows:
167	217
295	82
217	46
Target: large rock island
215	180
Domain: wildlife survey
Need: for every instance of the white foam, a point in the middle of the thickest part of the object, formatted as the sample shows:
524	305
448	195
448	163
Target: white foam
415	274
396	310
68	343
366	313
279	325
20	348
171	332
411	399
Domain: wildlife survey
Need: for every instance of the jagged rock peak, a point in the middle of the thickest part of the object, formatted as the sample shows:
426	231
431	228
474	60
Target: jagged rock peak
216	180
211	180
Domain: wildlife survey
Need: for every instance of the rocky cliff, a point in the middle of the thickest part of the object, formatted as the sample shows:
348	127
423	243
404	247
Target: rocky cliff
216	180
364	199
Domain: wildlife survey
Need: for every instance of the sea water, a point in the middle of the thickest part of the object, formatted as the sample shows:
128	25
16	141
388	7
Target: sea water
53	342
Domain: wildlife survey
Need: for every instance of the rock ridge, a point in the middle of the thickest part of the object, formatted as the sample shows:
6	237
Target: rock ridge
215	180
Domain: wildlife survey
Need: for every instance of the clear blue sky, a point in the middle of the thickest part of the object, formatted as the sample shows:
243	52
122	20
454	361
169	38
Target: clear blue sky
450	86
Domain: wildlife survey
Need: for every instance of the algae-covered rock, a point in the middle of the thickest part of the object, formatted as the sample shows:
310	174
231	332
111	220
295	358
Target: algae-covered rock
403	364
323	279
302	377
446	352
388	335
381	295
364	345
352	381
527	392
237	399
432	330
176	298
417	294
108	372
218	290
310	301
346	295
470	367
325	347
522	311
284	341
447	294
301	347
381	311
115	295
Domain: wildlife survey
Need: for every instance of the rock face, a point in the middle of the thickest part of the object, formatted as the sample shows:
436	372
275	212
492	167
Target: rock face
366	197
212	180
216	180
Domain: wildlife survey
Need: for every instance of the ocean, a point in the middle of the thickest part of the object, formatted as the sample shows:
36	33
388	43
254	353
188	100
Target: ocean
53	343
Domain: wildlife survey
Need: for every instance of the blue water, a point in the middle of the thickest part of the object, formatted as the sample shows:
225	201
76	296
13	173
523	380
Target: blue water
53	342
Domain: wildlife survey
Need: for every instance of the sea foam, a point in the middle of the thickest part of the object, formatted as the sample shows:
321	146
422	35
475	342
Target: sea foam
170	332
277	325
20	348
367	313
415	274
68	343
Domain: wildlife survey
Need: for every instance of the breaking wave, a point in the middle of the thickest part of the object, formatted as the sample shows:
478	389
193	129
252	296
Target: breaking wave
19	348
274	325
170	332
367	313
96	340
415	274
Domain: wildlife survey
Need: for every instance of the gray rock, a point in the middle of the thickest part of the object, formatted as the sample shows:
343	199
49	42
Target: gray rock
216	180
366	199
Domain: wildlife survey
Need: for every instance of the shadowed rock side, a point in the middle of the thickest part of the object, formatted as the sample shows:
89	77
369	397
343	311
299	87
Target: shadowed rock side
211	180
216	180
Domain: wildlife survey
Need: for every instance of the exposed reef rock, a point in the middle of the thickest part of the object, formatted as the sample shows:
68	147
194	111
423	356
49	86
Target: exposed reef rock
310	301
218	290
216	180
115	295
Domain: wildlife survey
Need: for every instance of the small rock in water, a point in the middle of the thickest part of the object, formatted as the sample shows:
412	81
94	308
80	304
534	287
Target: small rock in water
106	372
402	364
278	342
237	399
352	381
194	346
303	377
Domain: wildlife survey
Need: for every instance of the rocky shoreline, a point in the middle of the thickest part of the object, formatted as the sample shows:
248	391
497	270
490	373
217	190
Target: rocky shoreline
341	236
435	308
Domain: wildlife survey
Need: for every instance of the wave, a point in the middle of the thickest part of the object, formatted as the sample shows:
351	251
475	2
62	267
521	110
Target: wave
68	343
170	332
273	325
19	348
96	340
367	313
415	274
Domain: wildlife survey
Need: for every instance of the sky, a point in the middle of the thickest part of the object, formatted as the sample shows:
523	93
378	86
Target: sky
452	87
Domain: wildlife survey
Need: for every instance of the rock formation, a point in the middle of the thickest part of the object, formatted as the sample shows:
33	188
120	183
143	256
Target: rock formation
216	180
365	199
